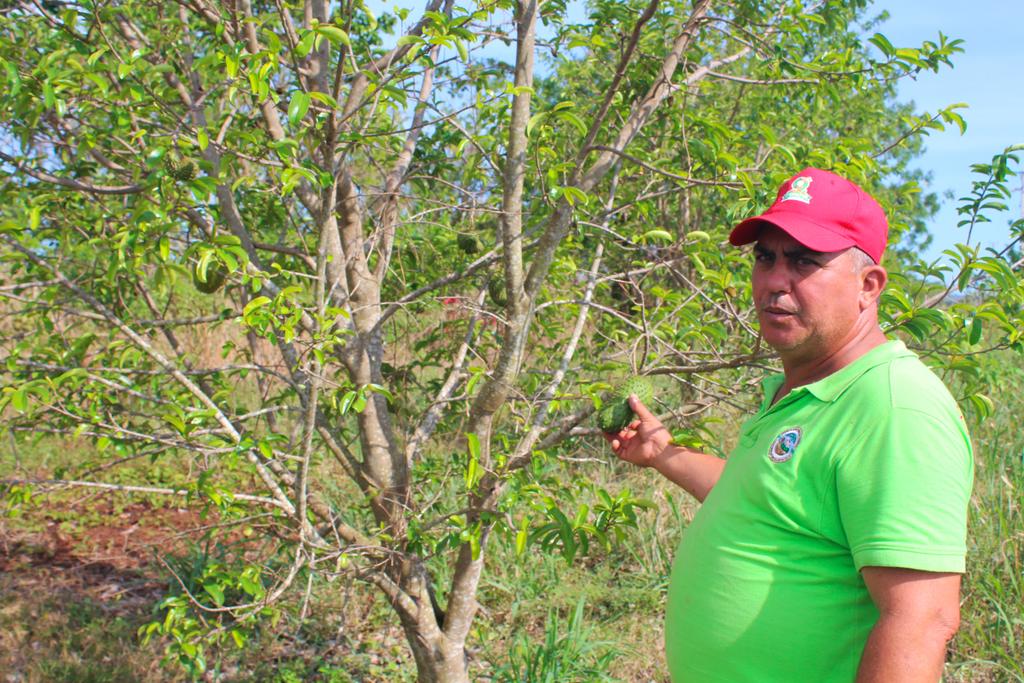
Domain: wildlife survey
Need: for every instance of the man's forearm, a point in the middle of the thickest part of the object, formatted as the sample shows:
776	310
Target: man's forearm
902	650
693	471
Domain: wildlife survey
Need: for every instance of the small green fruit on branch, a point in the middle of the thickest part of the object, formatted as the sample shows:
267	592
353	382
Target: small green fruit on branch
496	288
180	169
210	278
616	414
469	244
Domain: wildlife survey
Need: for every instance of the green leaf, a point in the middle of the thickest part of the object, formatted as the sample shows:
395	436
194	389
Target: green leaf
474	545
346	401
574	120
534	121
238	637
19	399
581	515
574	195
231	63
254	305
522	535
324	98
177	423
371	18
208	257
251	586
974	336
96	55
982	404
334	34
305	44
298	107
215	591
883	44
657	235
473	470
378	389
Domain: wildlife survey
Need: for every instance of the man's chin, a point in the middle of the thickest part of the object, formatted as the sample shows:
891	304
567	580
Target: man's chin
782	343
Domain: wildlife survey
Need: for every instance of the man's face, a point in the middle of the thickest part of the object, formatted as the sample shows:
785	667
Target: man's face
808	302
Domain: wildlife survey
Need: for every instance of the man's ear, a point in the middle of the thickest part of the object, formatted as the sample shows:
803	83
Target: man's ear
872	279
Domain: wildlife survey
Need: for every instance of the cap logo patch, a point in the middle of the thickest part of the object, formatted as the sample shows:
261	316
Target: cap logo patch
798	190
784	446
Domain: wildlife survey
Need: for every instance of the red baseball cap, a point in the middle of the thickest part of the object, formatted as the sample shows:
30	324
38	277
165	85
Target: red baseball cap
823	212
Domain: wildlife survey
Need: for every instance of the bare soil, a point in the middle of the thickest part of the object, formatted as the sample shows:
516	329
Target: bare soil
73	592
78	578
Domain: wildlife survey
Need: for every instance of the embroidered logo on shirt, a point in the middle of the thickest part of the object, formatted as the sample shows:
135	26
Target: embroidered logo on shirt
798	190
784	446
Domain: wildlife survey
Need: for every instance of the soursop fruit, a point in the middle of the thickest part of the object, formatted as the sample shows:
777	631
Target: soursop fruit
615	414
186	171
469	244
496	288
614	417
212	280
180	169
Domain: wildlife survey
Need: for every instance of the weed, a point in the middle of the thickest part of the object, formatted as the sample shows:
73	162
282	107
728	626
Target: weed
572	656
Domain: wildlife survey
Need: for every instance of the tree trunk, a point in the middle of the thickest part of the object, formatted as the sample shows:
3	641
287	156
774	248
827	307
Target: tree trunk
438	658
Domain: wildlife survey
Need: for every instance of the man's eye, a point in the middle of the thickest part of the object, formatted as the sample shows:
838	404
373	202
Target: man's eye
804	261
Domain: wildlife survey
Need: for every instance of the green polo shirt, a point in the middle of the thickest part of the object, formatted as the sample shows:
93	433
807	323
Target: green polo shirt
871	466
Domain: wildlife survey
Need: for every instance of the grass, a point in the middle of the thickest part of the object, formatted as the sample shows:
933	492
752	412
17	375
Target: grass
61	622
990	644
72	592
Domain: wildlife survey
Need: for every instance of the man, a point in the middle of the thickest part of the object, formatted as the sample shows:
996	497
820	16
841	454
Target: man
830	544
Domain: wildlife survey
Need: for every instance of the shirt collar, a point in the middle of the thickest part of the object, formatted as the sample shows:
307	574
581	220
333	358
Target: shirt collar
831	387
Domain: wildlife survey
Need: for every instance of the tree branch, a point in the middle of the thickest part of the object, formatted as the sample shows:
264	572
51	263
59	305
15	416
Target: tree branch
77	185
130	489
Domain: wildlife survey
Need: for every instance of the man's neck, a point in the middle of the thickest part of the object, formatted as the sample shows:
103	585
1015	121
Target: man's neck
799	372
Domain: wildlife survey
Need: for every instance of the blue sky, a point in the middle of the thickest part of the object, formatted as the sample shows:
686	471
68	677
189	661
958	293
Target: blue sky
988	76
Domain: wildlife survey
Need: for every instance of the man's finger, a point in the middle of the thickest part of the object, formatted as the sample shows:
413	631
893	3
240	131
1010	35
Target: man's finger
639	408
612	439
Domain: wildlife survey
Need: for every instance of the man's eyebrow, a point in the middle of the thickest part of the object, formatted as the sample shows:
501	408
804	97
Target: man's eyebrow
800	251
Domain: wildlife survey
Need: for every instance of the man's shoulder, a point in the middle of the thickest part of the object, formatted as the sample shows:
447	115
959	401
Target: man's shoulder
904	382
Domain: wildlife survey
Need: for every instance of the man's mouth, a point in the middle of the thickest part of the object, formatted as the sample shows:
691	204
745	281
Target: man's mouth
776	312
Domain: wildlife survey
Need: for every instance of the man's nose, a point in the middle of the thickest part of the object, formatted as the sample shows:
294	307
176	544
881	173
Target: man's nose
776	277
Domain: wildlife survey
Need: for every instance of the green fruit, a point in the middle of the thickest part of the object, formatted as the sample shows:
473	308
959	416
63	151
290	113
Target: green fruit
186	171
614	417
496	288
641	386
469	244
616	413
180	169
215	276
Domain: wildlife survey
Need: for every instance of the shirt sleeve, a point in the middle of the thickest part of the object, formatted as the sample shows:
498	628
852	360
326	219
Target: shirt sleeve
903	493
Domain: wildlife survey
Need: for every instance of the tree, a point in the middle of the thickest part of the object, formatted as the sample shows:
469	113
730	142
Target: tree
425	262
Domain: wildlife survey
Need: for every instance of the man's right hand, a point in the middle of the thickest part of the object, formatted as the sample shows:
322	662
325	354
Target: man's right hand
643	439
